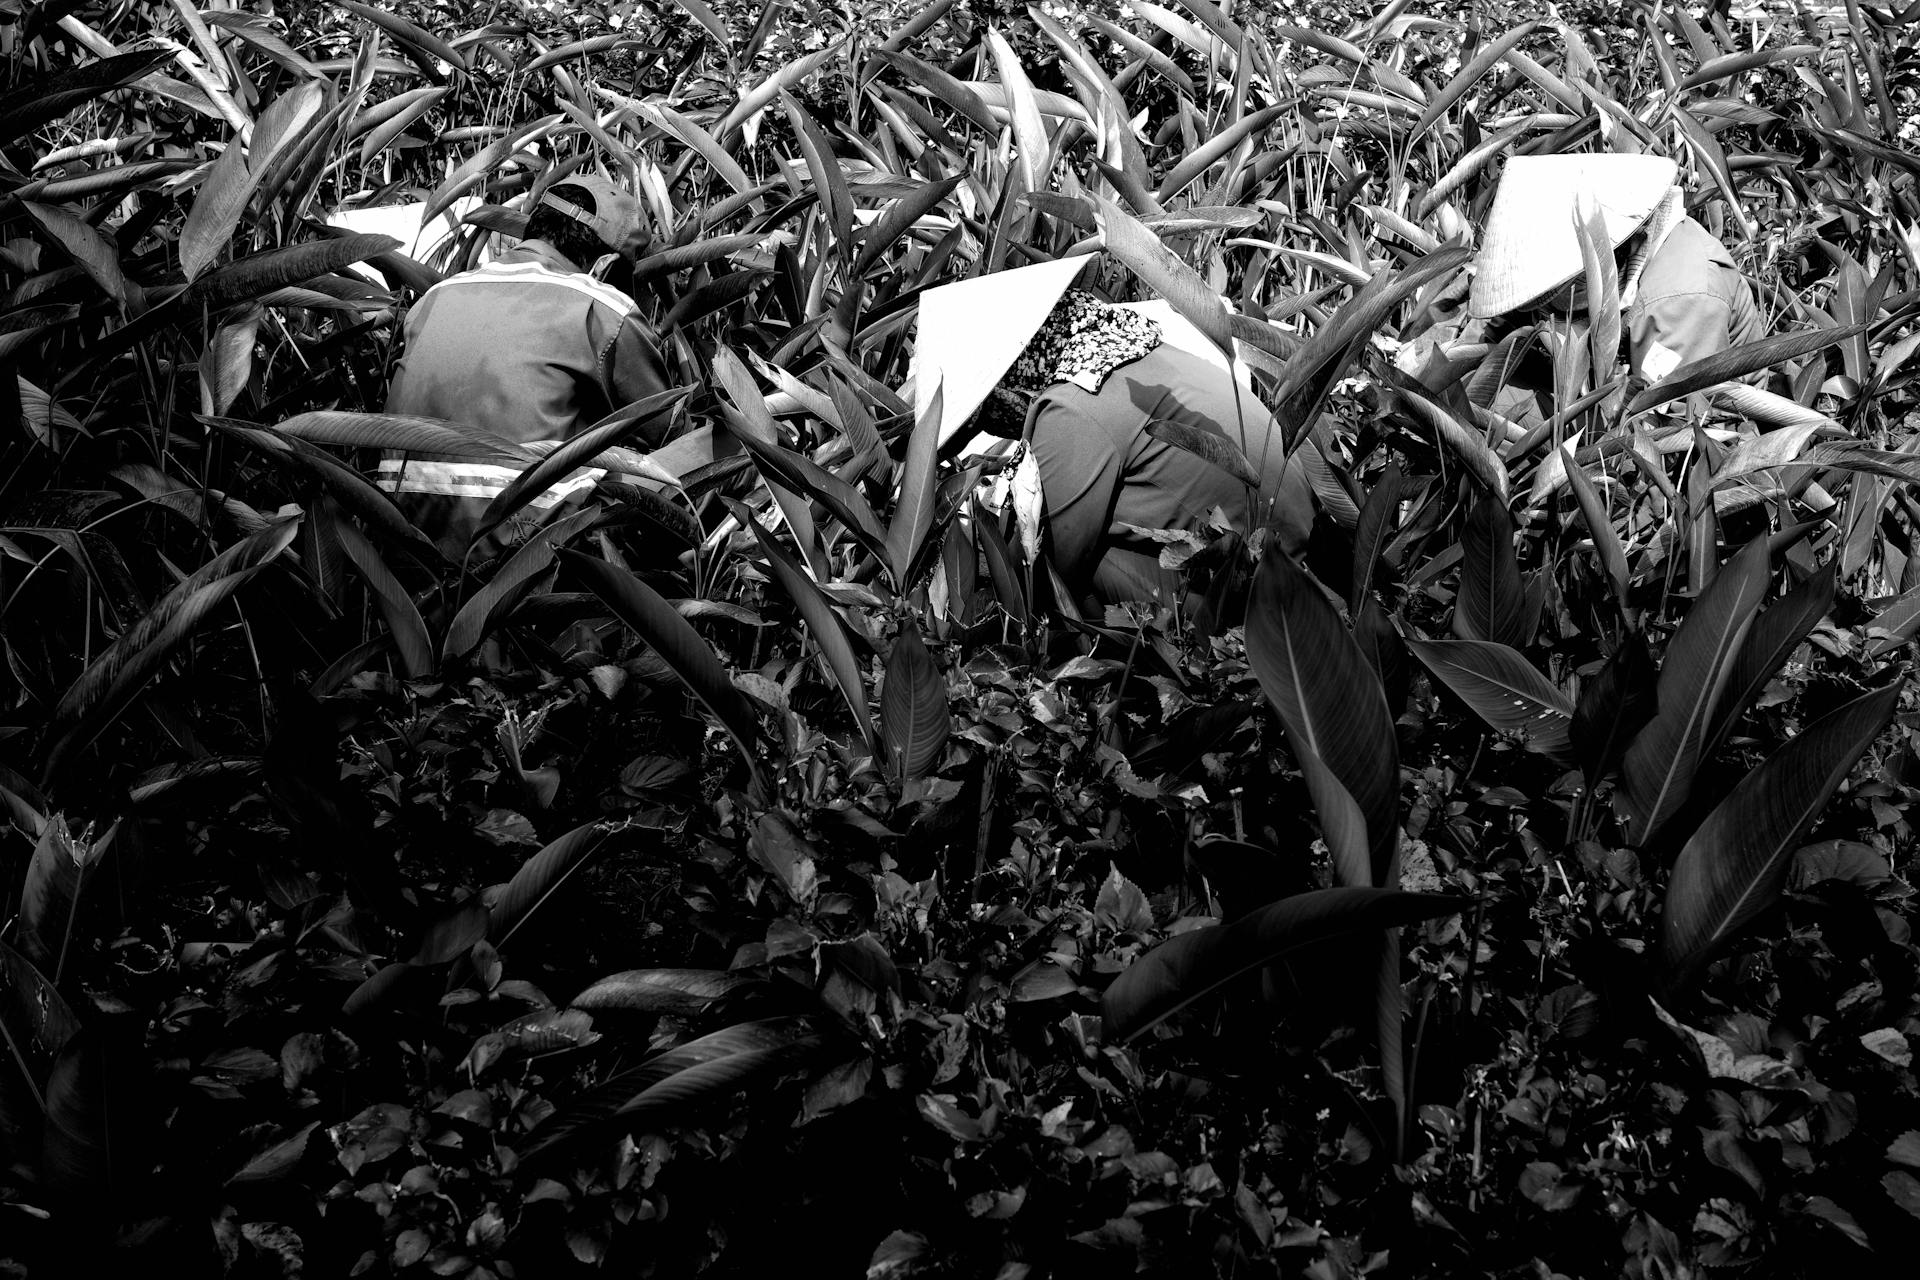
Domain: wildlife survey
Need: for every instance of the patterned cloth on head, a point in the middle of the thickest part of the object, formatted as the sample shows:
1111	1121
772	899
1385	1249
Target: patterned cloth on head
1081	341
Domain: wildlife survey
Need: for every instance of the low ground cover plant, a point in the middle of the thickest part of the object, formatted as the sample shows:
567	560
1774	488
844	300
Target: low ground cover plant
769	863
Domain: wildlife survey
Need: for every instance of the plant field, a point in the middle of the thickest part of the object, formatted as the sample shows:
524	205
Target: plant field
769	866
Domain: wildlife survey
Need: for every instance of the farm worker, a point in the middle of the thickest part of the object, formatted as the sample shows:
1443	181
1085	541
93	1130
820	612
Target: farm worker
533	346
1023	354
1682	297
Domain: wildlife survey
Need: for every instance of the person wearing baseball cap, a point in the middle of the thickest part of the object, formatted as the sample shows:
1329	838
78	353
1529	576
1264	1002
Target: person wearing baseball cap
1682	296
531	347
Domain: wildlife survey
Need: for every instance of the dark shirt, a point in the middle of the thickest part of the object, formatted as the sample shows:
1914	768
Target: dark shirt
1100	469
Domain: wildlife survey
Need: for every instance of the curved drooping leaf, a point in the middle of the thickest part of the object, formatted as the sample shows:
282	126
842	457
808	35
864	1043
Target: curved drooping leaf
116	676
1614	706
35	1024
50	896
1502	688
1733	866
420	45
913	513
1775	634
914	720
676	992
671	636
1737	362
1192	966
90	250
538	879
453	933
36	100
1694	673
610	1108
828	631
555	466
1327	696
409	632
899	219
260	273
76	1153
401	433
1163	271
1491	603
1312	371
1593	509
491	603
1211	446
1374	528
1468	444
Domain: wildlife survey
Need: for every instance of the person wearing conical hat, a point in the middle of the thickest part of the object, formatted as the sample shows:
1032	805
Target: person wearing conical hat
1682	296
532	347
1024	354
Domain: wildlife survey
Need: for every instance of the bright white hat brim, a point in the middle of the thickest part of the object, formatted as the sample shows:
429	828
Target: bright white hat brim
972	331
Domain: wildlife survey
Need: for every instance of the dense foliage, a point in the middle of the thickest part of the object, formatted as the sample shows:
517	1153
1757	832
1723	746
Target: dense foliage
768	865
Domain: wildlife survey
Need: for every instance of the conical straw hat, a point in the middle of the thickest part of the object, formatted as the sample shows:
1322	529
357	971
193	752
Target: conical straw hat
1530	247
972	331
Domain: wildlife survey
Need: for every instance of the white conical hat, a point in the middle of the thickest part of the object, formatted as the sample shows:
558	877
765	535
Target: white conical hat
1530	247
972	331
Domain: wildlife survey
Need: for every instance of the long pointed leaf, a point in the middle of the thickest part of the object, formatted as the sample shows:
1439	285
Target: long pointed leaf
409	632
828	631
1327	695
1664	757
539	878
1192	966
1502	688
914	719
678	644
1776	633
1735	863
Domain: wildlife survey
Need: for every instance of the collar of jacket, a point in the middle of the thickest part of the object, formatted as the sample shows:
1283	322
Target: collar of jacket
543	253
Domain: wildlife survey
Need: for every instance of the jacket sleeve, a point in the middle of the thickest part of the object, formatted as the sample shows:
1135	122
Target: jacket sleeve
1080	474
631	367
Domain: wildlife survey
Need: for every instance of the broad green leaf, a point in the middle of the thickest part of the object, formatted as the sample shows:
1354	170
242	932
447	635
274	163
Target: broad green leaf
1465	78
914	720
1211	446
420	45
575	453
37	100
1694	675
1218	147
678	644
57	876
1775	634
913	512
1614	706
91	251
1734	865
396	605
1162	270
113	679
401	433
1327	695
35	1025
1491	603
1377	518
261	273
1191	966
538	879
828	631
679	993
1737	362
1502	688
603	1111
1594	510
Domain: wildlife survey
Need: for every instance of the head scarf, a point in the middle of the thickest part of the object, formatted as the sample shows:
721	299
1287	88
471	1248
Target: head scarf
1081	341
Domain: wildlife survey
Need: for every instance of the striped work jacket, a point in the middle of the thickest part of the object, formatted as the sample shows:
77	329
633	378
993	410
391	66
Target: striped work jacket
526	348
